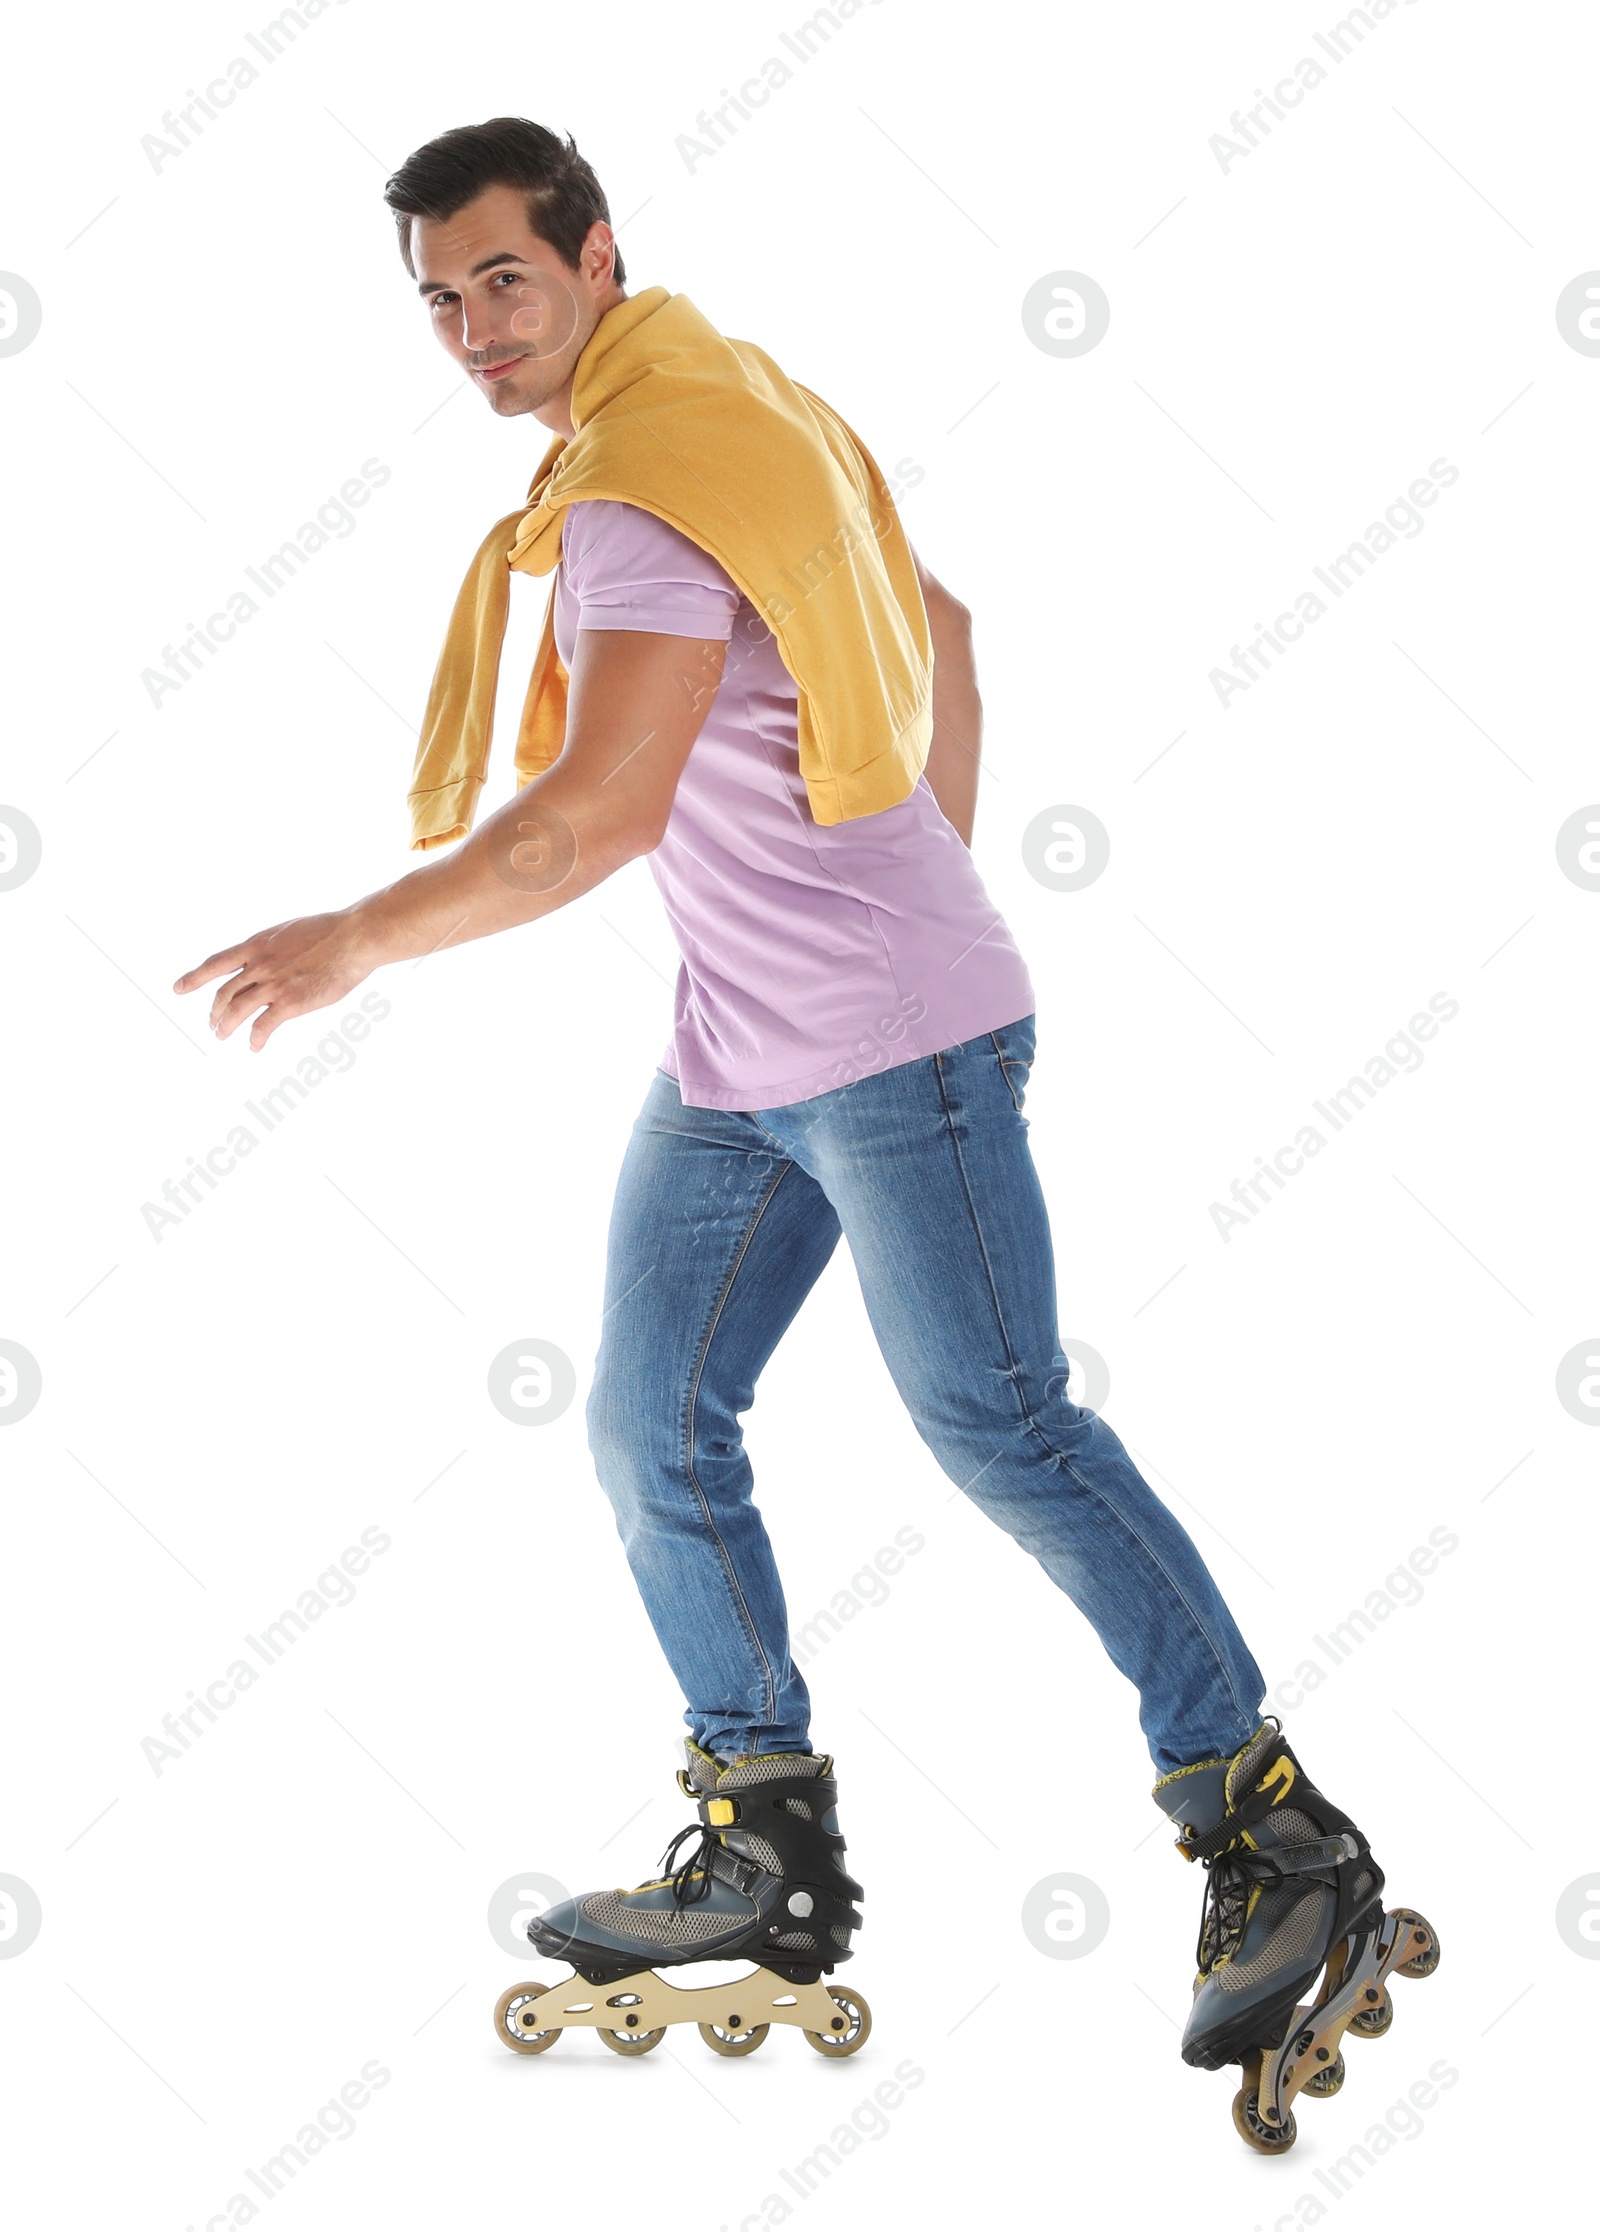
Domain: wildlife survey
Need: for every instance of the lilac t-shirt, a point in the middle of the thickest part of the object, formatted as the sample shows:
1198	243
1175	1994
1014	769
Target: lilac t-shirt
811	955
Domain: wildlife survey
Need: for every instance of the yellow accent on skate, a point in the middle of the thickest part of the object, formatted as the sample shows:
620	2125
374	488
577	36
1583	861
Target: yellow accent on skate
1197	1766
720	1811
1283	1766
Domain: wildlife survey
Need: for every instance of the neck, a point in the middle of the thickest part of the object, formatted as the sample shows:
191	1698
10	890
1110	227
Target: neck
556	412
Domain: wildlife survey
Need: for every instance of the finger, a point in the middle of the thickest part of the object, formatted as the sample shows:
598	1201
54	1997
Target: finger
282	1010
230	958
220	964
235	1004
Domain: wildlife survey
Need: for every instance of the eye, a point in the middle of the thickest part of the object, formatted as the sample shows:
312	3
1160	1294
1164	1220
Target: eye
440	301
512	276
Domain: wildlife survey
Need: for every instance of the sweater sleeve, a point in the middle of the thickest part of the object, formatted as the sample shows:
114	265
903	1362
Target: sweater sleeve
625	568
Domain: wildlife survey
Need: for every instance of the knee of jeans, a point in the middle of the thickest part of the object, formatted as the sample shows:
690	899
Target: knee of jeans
617	1439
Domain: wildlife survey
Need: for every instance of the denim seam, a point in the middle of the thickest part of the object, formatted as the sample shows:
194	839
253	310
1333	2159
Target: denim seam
1001	1057
769	1693
1031	1424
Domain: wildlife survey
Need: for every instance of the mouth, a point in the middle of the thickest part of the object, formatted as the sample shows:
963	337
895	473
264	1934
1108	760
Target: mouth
495	371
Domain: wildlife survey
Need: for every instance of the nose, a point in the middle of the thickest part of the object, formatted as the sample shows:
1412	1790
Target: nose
478	334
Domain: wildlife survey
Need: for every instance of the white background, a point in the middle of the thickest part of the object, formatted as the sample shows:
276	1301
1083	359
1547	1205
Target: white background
225	339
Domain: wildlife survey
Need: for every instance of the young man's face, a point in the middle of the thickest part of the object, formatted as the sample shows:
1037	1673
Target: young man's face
503	302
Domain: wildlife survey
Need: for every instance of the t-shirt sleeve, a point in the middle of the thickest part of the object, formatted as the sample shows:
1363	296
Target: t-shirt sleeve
627	569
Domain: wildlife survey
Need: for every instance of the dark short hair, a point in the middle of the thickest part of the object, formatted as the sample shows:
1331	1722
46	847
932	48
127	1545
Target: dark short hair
564	196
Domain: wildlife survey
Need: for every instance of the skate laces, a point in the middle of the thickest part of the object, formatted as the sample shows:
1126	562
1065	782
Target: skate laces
1226	1908
691	1878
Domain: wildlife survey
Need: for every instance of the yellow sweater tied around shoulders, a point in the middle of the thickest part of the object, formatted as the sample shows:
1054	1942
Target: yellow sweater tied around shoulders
710	436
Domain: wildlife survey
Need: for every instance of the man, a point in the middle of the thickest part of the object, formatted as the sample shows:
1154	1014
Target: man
749	678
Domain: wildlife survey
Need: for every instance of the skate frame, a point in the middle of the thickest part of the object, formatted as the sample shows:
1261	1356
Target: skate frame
646	2001
1355	1979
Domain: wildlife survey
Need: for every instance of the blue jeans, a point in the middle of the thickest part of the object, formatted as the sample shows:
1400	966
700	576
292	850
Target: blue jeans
723	1222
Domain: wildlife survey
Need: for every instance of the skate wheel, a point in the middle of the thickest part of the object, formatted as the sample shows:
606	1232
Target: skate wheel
512	2012
632	2042
1425	1962
1327	2081
733	2042
1373	2019
850	2029
629	2039
1253	2129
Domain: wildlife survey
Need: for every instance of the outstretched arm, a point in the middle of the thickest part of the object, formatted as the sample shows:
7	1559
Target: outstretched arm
635	704
952	768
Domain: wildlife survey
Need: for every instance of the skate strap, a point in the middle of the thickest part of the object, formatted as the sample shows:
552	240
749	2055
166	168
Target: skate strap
1286	1859
734	1868
1250	1809
721	1809
1273	1861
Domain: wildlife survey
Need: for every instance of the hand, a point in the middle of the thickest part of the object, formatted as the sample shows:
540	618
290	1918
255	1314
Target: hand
289	970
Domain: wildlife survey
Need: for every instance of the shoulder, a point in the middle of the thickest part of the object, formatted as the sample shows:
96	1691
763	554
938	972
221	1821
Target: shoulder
601	535
626	567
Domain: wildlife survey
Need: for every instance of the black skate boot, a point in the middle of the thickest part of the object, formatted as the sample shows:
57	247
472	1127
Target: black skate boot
766	1882
1292	1892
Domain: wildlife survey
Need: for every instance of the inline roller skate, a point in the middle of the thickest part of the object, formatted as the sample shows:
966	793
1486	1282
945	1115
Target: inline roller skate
1292	1892
766	1882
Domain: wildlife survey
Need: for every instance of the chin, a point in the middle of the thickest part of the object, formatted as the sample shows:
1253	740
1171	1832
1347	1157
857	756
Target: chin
508	402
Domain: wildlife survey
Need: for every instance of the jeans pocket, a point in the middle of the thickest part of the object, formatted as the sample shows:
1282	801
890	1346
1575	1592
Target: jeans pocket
1014	1048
